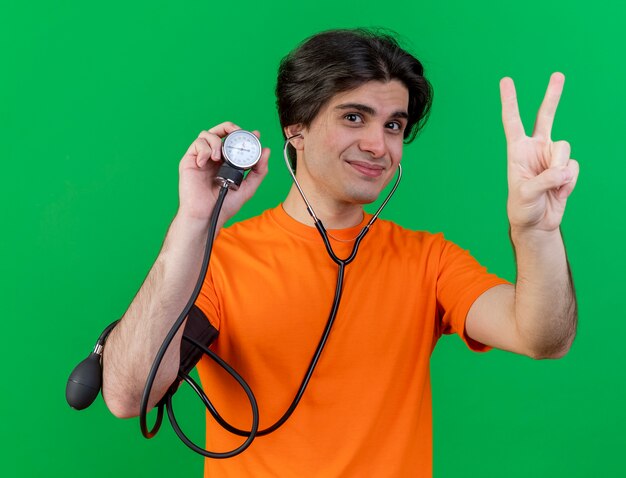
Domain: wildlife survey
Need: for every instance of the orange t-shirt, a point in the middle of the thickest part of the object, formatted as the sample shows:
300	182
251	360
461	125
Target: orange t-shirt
367	409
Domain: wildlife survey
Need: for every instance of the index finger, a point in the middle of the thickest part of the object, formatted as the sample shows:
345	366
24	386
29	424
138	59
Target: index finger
224	129
513	127
547	110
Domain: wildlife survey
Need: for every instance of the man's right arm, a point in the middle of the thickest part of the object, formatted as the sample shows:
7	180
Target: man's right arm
134	342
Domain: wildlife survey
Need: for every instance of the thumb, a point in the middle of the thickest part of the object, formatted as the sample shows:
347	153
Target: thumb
552	178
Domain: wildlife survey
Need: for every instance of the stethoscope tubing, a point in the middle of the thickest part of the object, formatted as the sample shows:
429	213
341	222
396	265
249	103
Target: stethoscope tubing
318	222
253	432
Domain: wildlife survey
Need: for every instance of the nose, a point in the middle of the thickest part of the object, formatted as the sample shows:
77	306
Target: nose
373	141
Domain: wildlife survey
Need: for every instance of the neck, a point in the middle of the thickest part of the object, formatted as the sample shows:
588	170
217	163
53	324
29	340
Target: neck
333	214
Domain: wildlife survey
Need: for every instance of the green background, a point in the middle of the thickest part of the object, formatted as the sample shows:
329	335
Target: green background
98	101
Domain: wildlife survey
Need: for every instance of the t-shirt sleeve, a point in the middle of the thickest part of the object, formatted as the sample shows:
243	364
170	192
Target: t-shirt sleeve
461	280
208	302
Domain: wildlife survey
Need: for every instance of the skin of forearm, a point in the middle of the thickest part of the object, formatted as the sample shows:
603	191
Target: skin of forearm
545	302
133	344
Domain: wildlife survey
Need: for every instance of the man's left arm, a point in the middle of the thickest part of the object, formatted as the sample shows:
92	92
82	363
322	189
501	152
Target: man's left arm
536	317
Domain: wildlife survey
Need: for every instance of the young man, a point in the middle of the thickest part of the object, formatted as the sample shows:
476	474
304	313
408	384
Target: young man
348	99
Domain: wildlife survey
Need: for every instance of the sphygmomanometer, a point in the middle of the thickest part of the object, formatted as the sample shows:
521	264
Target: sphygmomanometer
241	150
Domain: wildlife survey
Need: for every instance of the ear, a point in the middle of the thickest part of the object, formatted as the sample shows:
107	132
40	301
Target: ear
295	130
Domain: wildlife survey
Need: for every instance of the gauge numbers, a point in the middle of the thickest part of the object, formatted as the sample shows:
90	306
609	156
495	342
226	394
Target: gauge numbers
241	149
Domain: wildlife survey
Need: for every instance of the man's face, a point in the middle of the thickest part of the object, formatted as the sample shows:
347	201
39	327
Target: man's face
352	148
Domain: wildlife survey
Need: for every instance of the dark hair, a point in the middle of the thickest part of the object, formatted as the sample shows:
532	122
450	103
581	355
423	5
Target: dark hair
336	61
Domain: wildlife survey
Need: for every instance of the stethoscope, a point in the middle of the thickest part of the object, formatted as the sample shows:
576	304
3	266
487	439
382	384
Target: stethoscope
241	150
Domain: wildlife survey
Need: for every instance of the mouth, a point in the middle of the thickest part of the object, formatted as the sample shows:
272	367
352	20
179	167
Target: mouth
367	169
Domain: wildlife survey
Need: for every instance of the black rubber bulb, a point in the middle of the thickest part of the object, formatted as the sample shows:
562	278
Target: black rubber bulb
84	383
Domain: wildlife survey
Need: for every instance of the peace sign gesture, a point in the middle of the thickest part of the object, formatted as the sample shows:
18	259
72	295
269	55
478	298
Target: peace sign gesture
541	174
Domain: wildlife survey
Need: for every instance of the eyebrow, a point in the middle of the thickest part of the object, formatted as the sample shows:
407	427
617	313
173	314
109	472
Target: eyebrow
369	110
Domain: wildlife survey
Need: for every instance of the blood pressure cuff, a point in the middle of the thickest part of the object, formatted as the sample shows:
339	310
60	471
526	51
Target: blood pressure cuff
199	328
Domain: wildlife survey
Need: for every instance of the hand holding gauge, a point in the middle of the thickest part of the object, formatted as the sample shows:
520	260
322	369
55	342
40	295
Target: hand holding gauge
206	159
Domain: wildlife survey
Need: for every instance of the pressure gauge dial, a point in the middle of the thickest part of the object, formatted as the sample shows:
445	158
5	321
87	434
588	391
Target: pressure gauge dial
241	149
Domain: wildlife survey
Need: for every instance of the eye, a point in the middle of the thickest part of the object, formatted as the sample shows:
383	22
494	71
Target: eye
395	126
353	118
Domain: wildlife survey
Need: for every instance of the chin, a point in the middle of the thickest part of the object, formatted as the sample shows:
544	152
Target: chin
363	197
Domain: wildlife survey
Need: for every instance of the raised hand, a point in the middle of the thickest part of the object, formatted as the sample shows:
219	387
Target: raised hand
541	174
197	170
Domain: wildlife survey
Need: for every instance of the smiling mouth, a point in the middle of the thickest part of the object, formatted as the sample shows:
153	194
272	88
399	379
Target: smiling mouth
367	169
